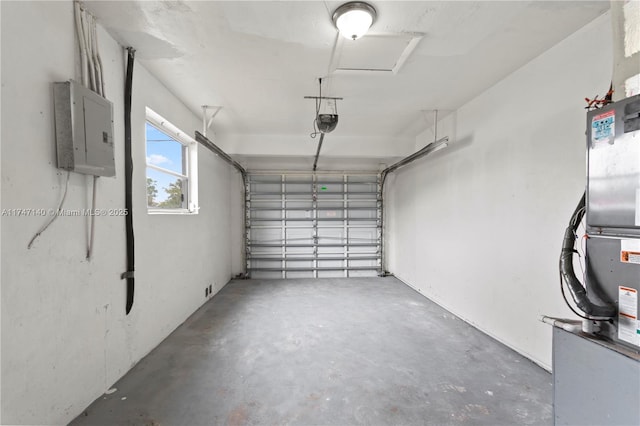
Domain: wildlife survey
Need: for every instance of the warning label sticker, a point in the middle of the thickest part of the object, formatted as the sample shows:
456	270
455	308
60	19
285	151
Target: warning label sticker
603	129
630	257
630	251
628	330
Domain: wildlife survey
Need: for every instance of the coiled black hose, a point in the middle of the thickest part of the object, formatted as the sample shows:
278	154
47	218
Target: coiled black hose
567	273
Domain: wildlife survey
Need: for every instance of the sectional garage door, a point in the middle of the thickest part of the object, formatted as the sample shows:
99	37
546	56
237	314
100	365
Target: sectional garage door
313	226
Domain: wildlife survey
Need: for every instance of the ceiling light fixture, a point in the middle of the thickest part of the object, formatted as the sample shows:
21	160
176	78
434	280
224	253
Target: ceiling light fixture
354	19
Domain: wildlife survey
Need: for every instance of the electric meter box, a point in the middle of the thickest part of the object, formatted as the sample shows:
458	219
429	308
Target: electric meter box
84	130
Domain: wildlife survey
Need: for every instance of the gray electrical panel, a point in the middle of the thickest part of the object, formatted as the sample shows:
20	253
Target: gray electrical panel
84	130
613	215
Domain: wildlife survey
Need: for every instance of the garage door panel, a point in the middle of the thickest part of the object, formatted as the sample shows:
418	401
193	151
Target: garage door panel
299	250
266	187
334	204
299	274
269	264
361	187
265	235
361	263
303	189
361	197
292	204
363	213
299	235
353	203
306	226
362	235
265	214
300	223
267	204
334	232
331	214
330	250
299	214
299	264
330	274
331	264
266	275
361	223
360	274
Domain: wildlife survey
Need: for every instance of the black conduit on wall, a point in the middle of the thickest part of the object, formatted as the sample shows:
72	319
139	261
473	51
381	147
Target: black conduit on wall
578	292
128	171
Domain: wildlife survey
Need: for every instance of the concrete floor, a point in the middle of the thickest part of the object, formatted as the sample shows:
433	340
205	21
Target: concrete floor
329	351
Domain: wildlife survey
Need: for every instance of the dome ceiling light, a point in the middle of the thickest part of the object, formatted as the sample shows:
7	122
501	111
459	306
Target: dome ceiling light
354	19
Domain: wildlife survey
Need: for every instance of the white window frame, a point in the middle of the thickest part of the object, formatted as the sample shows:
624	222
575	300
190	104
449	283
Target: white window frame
191	157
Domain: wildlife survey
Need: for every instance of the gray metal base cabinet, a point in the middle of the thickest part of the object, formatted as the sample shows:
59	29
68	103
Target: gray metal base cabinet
594	382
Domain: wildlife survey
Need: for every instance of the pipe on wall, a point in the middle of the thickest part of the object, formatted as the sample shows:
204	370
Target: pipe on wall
204	141
315	161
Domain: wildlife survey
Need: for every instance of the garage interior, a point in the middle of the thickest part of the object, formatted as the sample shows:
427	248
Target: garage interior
230	212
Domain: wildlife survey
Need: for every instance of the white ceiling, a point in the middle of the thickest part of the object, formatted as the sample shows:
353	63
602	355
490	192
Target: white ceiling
258	59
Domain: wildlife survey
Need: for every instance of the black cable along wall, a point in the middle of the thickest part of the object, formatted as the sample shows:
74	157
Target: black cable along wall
128	171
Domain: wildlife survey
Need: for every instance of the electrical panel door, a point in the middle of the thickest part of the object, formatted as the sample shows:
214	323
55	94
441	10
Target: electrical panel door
84	130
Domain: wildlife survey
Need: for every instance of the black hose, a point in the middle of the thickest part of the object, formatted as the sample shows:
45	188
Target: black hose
128	171
567	273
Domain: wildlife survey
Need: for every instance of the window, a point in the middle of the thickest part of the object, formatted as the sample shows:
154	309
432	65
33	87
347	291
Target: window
171	167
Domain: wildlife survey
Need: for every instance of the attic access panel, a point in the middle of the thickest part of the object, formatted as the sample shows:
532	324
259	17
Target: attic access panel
306	226
382	54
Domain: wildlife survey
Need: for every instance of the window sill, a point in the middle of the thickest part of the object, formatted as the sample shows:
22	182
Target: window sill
171	212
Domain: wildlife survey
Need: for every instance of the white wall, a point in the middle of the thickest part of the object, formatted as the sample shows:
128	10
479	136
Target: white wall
65	335
478	226
334	145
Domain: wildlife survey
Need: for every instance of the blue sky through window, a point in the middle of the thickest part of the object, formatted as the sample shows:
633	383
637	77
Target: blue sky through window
163	151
